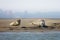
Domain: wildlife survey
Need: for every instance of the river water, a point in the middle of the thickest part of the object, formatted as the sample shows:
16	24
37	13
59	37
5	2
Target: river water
30	35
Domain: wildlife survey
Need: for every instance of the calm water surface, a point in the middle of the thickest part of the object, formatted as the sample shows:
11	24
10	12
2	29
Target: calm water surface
29	35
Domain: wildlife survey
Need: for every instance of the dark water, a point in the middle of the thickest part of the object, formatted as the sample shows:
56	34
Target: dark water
29	35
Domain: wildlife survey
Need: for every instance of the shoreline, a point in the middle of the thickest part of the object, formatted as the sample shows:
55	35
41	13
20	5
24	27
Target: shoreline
45	32
30	30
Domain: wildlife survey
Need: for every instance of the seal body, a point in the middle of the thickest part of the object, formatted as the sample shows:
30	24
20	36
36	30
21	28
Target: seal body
42	23
15	23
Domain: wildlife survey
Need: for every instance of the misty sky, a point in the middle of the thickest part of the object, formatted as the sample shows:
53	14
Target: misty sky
30	5
30	8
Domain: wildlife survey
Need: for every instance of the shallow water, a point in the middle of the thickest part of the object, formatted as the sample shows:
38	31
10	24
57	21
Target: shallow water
29	35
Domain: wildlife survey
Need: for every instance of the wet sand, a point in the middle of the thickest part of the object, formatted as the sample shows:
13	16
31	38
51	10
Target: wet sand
25	22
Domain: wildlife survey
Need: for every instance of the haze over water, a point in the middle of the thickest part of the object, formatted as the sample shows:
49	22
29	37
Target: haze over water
30	8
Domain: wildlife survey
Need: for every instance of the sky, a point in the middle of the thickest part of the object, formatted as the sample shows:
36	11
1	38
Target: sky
30	8
44	6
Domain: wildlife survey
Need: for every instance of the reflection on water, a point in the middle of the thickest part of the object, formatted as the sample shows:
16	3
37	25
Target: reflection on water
29	35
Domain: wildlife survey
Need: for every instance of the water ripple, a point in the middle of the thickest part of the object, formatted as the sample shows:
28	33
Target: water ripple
29	35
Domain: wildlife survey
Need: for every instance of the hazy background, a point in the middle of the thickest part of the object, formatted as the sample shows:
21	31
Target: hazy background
29	8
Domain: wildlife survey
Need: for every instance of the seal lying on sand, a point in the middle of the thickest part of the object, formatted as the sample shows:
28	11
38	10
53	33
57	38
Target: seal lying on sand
15	23
40	23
